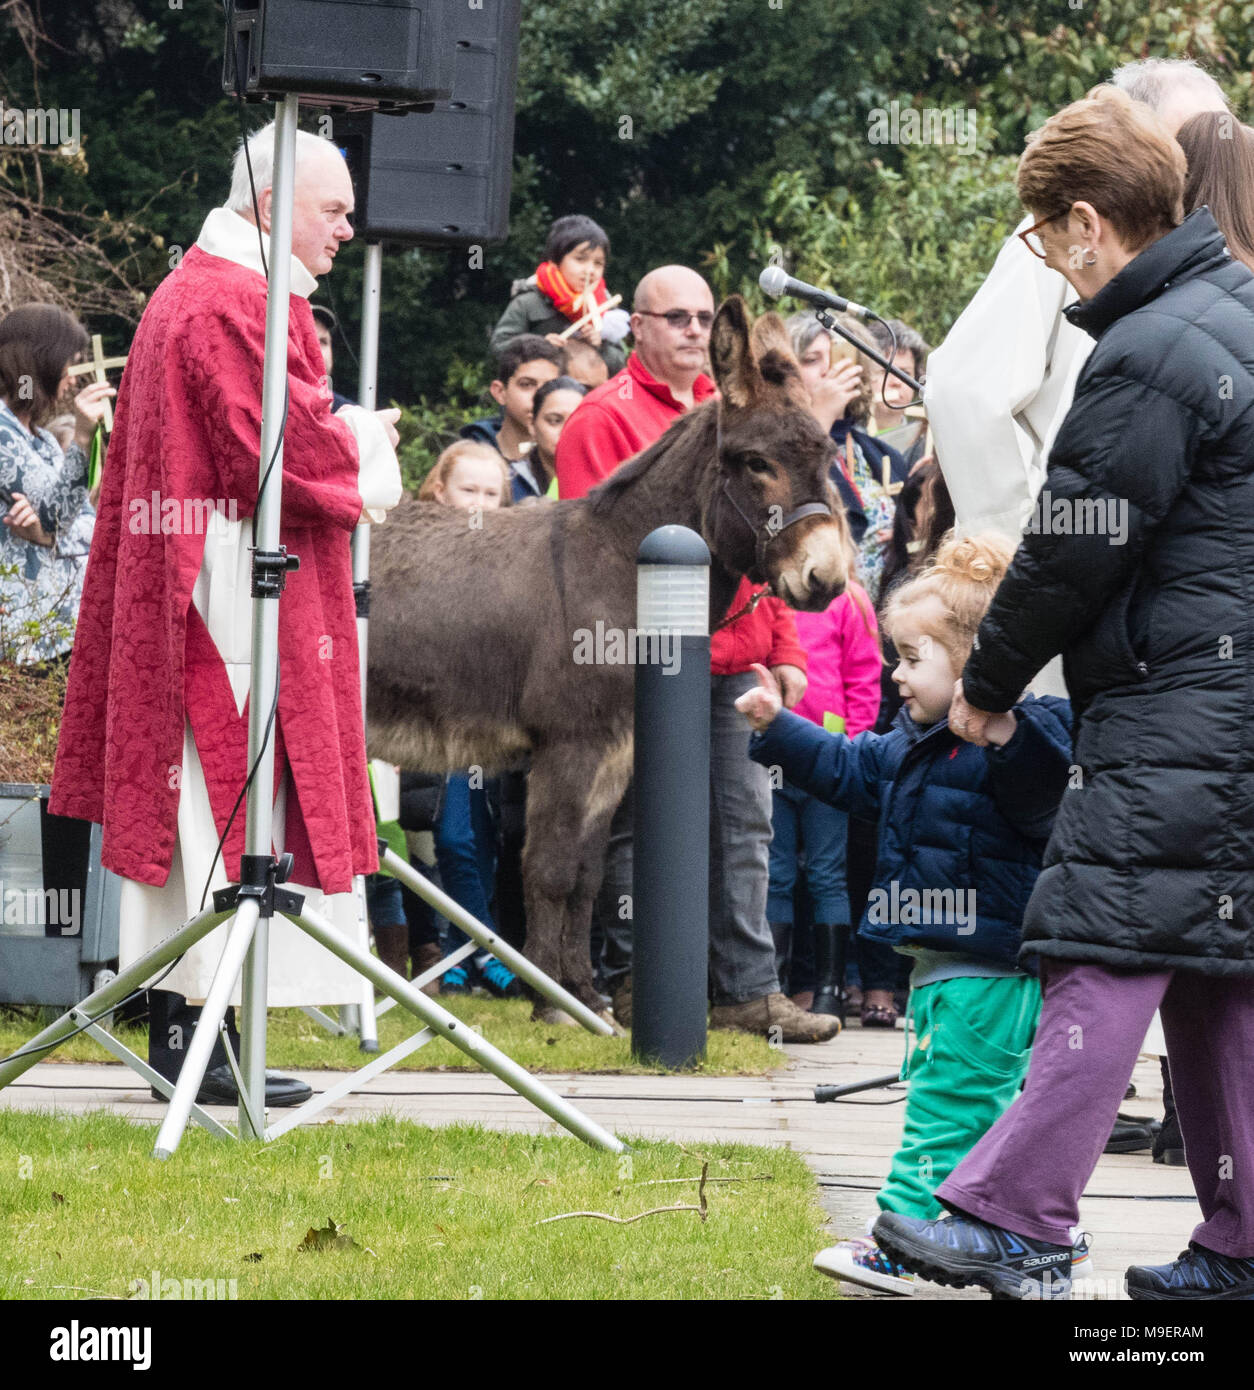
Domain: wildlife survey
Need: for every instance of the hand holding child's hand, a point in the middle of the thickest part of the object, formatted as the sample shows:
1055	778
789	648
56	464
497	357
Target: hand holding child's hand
968	722
761	704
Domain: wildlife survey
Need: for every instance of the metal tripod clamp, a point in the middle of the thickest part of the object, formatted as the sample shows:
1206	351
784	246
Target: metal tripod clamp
270	569
260	875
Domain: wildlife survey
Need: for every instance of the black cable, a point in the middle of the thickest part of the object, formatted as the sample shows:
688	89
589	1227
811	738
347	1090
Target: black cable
83	1027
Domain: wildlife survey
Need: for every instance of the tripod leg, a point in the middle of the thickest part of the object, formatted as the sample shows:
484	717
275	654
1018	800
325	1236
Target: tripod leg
212	1013
124	983
366	1026
490	941
445	1025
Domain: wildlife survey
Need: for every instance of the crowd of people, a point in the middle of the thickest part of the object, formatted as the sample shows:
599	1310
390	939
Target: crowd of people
925	820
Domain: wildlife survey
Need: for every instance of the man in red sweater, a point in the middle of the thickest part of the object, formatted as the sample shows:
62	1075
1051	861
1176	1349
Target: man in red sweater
673	312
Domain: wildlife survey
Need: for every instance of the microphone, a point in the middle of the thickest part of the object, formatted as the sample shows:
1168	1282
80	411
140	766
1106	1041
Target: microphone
774	281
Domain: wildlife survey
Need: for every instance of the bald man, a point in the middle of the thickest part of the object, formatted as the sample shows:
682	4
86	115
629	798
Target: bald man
663	378
671	316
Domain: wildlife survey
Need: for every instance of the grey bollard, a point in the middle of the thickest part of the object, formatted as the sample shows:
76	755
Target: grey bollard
671	862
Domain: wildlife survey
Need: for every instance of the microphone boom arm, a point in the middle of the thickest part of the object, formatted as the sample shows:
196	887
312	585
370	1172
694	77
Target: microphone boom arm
825	318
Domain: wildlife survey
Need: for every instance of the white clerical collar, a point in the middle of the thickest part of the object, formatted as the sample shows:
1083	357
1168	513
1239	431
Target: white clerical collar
234	238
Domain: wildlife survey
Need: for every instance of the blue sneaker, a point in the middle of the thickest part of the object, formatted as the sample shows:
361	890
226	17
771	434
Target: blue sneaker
499	979
455	981
959	1250
1198	1274
861	1261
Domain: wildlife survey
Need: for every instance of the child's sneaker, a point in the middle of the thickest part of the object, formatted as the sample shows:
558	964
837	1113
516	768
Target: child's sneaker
498	979
861	1261
455	981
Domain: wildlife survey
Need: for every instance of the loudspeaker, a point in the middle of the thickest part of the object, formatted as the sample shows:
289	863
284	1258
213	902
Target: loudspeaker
357	55
443	179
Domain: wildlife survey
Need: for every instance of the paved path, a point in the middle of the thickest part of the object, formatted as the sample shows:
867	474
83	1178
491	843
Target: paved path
1137	1211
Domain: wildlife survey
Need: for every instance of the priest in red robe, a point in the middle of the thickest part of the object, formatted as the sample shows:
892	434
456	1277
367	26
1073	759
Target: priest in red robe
154	738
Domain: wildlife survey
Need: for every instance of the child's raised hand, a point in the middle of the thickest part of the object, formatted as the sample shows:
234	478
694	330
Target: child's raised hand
761	704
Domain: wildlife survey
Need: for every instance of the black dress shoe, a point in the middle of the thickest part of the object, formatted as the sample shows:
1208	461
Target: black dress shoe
218	1088
1129	1138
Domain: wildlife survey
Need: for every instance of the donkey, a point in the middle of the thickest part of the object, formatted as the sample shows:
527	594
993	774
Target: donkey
474	616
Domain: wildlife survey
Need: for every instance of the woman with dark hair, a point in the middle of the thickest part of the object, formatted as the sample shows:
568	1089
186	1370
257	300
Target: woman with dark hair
566	284
1141	580
552	405
42	490
1220	153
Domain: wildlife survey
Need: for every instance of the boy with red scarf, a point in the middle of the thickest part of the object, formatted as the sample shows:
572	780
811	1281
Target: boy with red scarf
567	283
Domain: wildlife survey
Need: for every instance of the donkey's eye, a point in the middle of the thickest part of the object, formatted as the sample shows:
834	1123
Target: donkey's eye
756	464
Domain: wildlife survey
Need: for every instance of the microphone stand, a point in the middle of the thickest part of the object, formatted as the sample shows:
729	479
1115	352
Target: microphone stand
824	316
826	1094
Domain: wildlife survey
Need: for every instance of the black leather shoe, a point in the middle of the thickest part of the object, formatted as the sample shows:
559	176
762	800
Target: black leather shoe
218	1088
1129	1138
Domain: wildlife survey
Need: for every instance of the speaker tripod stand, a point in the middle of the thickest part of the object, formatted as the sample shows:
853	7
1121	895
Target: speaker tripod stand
249	905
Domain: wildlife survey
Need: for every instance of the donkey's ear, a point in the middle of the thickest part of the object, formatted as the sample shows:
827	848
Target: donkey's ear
731	355
777	363
769	332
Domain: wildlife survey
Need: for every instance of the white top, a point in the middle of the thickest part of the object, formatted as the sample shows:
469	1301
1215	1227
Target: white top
999	387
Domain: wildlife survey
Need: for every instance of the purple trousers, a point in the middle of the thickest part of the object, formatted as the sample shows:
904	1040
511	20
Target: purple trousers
1028	1172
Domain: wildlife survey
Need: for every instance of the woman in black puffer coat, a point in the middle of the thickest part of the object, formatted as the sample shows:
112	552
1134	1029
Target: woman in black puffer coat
1138	567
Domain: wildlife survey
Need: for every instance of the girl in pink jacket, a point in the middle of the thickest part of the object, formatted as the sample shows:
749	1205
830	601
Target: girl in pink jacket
843	696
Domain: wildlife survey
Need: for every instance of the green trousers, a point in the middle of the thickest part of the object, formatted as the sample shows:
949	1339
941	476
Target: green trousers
972	1042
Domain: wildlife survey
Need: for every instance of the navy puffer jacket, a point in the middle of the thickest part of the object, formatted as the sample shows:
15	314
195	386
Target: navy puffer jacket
951	816
1151	865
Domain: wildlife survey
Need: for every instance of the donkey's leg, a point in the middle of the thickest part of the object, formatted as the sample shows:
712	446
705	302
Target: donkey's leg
559	792
607	791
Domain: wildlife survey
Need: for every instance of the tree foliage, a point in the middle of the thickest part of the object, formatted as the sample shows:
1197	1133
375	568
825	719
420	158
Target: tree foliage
706	134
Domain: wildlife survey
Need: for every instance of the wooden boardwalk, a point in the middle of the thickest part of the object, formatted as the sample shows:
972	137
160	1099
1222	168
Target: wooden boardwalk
1137	1211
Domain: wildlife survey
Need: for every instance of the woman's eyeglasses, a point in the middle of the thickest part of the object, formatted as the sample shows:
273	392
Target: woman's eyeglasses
1031	239
678	318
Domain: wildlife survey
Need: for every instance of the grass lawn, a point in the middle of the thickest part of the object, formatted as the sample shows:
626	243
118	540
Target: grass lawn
295	1041
85	1212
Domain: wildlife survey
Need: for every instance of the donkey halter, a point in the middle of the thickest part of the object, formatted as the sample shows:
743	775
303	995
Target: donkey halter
771	529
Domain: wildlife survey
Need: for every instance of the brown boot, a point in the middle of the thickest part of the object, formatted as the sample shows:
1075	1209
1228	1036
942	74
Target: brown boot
776	1017
428	954
392	944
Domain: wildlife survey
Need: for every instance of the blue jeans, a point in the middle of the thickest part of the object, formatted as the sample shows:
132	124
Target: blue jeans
465	849
803	823
384	906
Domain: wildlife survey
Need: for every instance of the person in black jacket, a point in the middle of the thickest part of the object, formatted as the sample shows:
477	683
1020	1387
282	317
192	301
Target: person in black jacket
1138	567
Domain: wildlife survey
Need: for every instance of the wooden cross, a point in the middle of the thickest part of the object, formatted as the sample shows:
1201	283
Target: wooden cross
97	366
593	316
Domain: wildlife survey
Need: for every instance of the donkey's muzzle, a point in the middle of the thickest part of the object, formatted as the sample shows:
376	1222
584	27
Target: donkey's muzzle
816	571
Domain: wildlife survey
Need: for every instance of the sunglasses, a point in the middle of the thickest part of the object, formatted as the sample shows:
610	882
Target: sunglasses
678	318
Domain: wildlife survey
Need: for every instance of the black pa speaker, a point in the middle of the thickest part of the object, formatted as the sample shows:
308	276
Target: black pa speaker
443	178
357	55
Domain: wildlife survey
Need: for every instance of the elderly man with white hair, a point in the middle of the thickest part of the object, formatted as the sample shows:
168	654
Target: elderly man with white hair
154	741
